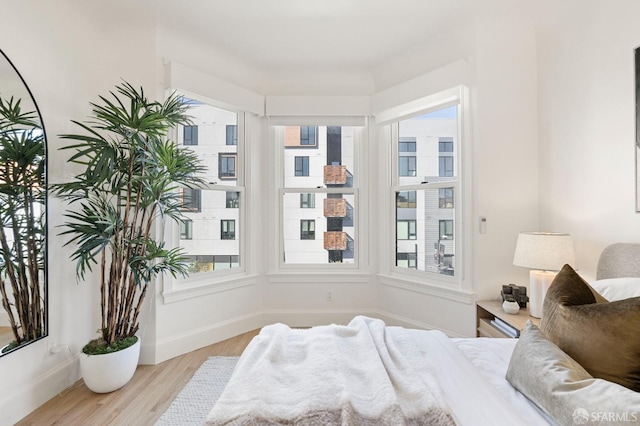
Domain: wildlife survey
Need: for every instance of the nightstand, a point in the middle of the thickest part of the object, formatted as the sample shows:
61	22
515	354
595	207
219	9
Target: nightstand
488	310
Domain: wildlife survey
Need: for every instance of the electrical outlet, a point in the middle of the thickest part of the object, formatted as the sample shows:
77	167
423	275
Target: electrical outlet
55	348
329	296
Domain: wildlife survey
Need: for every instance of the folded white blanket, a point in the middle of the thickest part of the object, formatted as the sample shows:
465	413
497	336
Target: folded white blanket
329	375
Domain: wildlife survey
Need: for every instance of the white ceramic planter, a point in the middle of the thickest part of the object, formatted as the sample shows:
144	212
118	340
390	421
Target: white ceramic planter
108	372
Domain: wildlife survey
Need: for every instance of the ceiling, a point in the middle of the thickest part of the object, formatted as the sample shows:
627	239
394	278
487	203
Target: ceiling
275	37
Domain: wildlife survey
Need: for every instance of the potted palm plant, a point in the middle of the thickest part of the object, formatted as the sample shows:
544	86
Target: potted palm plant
130	173
22	227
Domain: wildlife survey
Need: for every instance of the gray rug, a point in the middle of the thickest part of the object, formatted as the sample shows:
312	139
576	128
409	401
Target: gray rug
194	402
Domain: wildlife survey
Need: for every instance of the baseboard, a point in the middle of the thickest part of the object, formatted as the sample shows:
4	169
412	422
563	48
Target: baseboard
171	347
26	398
398	320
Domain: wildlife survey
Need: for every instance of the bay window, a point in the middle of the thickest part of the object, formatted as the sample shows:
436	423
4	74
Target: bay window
318	186
427	190
211	235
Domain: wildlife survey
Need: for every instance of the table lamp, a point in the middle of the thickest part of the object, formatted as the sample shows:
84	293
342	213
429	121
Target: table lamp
545	253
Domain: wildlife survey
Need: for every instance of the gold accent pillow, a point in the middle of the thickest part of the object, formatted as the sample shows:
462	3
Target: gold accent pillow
603	337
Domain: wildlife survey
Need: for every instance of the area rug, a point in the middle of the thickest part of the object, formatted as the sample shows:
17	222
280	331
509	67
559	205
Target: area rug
194	402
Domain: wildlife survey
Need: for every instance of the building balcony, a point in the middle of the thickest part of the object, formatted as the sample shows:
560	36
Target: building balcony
335	175
335	240
335	207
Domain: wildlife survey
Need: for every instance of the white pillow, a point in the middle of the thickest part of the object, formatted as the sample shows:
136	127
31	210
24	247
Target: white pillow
614	289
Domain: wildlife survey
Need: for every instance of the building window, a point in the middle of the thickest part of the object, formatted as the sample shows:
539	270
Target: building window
307	229
186	230
215	212
307	201
329	188
300	136
228	229
190	135
406	229
308	135
227	165
190	199
406	200
222	261
232	134
233	199
445	145
407	166
302	166
425	218
407	146
445	198
406	260
446	229
445	166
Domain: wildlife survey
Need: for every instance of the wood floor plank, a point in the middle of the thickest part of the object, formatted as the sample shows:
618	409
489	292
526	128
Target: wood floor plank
142	401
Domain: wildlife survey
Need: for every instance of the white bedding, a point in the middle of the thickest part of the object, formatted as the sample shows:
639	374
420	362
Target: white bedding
491	358
469	372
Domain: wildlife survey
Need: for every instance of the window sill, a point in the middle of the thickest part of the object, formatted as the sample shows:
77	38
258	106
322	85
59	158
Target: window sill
212	286
449	292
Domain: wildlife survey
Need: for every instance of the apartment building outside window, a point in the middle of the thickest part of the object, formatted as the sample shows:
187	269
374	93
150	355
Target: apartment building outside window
307	201
319	181
190	135
302	166
425	184
307	229
211	235
228	229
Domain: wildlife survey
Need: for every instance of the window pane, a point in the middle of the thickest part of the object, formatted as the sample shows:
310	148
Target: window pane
426	232
190	135
214	231
216	141
232	134
316	156
427	145
322	234
445	198
307	201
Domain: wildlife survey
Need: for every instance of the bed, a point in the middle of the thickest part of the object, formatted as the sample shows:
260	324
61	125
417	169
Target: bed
368	373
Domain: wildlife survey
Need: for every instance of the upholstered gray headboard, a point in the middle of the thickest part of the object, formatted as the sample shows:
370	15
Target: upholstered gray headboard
619	260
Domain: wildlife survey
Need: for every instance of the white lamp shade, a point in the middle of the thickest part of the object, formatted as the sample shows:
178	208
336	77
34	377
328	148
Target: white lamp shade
545	251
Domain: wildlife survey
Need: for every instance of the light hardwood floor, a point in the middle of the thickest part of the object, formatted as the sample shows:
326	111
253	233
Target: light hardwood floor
142	401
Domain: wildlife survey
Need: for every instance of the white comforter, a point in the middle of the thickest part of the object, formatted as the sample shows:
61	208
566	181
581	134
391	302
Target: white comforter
350	375
364	373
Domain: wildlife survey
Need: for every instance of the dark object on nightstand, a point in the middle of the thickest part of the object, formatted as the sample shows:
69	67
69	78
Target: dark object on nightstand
515	292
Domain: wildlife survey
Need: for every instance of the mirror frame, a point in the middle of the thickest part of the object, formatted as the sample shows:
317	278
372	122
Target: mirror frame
45	289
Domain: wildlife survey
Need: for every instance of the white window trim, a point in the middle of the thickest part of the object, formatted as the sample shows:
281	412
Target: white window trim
181	288
463	230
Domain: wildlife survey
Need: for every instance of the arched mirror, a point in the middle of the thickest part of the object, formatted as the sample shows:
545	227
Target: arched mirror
23	285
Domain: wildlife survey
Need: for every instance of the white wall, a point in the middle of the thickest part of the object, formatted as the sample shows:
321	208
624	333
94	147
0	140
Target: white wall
587	124
68	52
582	171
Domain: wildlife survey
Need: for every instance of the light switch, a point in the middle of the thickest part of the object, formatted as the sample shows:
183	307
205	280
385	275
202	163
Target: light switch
483	225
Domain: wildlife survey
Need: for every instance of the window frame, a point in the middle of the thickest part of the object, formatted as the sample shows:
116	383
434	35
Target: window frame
357	244
177	288
223	158
457	96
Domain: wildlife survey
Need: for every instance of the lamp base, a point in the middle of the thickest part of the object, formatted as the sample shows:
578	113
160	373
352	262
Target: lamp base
539	282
